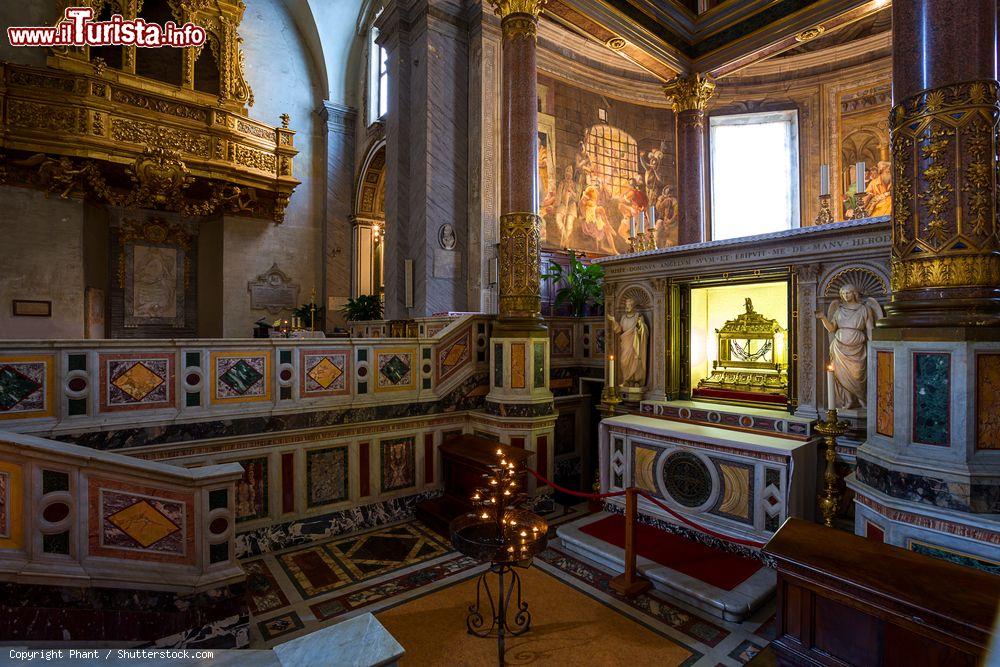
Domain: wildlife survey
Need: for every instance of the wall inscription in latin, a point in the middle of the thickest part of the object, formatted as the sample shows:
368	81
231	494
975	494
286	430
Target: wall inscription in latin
273	291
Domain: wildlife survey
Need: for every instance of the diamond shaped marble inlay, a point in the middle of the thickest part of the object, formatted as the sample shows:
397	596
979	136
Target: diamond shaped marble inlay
395	369
455	354
143	523
241	377
15	387
562	340
325	373
137	381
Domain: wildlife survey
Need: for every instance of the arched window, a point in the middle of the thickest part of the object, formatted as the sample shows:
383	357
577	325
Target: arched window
378	79
614	155
369	224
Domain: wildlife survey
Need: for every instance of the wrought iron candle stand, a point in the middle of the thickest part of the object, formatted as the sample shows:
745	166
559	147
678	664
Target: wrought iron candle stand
507	537
829	500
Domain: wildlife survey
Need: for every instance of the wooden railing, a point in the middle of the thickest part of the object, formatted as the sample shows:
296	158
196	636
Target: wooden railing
74	516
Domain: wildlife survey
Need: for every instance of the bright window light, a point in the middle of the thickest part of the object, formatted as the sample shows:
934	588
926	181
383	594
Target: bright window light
755	173
378	80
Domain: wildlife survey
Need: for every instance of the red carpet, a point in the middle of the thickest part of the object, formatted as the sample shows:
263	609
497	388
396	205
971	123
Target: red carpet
733	395
718	568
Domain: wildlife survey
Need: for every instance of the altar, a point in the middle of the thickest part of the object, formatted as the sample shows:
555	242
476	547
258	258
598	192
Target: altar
735	483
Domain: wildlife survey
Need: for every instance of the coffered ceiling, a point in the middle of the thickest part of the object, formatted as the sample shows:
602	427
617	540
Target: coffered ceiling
668	37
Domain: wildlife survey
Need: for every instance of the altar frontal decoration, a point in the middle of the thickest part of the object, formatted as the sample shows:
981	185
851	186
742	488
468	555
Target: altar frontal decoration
751	359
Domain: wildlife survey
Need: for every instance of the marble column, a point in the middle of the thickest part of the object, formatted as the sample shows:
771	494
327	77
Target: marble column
926	476
519	347
689	96
340	124
945	247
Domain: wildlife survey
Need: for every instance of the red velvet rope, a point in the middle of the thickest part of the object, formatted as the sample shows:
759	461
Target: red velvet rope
652	499
578	494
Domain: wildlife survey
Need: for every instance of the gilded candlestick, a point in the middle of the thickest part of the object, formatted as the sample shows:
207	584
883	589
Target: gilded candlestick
829	499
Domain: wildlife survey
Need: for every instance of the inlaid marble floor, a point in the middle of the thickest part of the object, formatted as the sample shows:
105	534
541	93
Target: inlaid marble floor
299	590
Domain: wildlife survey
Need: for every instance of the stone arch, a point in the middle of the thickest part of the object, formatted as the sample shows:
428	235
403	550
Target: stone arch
870	279
368	222
640	293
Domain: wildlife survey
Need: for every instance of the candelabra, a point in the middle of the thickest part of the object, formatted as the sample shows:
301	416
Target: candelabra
825	215
508	538
632	241
829	500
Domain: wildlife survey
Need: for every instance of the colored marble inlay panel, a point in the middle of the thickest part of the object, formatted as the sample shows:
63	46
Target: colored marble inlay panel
884	393
453	354
251	490
287	482
140	523
395	369
265	593
988	401
136	381
957	557
539	365
735	500
26	387
428	458
562	341
599	341
326	476
280	626
11	505
498	365
398	463
517	354
931	398
643	469
241	377
324	373
364	469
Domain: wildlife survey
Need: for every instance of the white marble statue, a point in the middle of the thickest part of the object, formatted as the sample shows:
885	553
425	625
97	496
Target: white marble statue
632	332
850	321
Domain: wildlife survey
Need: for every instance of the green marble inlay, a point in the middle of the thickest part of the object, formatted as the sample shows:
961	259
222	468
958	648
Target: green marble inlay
15	387
241	377
539	365
965	560
931	387
76	362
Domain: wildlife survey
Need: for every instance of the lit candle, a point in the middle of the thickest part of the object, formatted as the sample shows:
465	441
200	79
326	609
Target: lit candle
859	177
499	452
642	222
631	226
830	396
824	180
611	370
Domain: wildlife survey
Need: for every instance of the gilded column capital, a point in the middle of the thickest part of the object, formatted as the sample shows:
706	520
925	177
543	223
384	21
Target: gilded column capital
505	8
690	93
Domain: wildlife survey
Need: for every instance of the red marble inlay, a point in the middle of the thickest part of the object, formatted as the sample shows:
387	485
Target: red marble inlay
428	458
517	442
193	379
286	375
55	512
288	482
316	571
218	526
543	457
364	473
363	371
77	384
874	533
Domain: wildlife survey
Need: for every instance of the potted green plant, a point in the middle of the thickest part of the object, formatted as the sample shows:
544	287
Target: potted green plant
581	284
305	313
363	308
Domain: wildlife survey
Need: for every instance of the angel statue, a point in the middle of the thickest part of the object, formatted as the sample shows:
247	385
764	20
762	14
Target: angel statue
850	321
632	333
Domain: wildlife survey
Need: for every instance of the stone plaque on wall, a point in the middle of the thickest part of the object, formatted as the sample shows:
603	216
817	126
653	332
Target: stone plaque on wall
447	263
273	291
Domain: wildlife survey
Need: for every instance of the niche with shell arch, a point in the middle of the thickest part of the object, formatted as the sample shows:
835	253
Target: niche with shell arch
643	298
868	279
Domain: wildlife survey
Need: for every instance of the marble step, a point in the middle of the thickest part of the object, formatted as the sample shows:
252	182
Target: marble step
735	605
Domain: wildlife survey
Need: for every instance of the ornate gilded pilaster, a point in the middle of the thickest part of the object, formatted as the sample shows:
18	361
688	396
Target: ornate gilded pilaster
689	96
520	276
945	247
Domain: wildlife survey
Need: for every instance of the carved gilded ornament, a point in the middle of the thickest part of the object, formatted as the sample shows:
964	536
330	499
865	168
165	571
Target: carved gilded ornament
519	26
690	93
945	232
505	8
520	272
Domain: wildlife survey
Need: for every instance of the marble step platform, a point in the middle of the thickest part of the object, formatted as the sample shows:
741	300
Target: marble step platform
735	605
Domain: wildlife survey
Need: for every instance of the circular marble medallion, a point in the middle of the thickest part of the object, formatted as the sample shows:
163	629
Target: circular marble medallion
687	479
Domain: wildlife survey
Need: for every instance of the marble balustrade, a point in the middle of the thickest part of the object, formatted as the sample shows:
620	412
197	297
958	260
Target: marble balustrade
73	516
